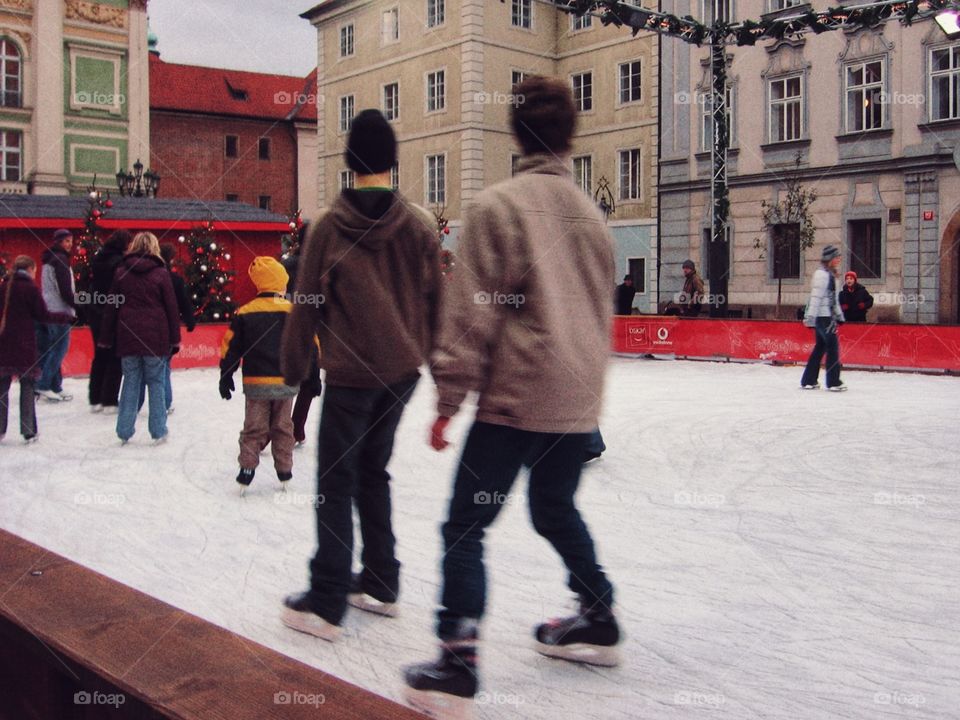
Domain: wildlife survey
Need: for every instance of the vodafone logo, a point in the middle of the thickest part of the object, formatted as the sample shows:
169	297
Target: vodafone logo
663	333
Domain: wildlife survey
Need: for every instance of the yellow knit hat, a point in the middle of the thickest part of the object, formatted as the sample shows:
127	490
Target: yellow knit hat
268	275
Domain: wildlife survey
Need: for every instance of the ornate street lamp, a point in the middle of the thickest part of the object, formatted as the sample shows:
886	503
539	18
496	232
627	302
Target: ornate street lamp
604	198
138	183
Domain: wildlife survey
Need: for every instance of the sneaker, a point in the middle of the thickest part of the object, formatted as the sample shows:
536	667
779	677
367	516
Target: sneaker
96	408
363	601
589	637
837	388
445	688
298	614
815	386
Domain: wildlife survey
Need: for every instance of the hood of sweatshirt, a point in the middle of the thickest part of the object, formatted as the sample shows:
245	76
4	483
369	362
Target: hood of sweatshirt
367	217
142	263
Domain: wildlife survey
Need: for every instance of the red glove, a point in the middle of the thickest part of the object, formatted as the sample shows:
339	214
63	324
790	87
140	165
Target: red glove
861	305
437	440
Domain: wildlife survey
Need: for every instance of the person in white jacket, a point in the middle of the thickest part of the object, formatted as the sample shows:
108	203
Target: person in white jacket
823	314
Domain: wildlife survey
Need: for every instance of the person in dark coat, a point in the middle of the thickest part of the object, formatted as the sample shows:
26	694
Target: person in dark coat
186	311
854	299
625	294
144	330
105	373
21	307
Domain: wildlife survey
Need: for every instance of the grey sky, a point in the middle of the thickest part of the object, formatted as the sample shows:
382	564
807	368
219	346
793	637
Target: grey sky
260	35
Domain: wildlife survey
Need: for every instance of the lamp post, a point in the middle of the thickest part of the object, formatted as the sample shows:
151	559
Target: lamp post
603	197
138	183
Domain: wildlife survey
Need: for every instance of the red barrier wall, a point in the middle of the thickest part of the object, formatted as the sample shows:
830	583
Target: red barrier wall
930	347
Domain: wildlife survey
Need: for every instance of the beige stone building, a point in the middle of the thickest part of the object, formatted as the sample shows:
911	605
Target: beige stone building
875	117
443	70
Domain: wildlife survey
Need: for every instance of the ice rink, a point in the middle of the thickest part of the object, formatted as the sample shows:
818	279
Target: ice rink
776	553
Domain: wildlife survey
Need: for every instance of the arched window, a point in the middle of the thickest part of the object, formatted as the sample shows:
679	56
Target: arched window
11	74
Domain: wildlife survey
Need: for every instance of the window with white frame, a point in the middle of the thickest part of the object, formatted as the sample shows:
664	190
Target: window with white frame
436	91
583	173
705	100
391	101
347	179
517	77
581	22
776	5
346	40
864	87
630	174
520	13
11	142
11	74
945	83
436	180
716	10
637	269
583	91
629	81
865	240
346	112
390	26
395	176
436	12
786	108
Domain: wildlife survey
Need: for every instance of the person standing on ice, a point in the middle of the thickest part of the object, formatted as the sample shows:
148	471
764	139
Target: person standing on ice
854	298
53	339
527	326
369	286
254	339
823	314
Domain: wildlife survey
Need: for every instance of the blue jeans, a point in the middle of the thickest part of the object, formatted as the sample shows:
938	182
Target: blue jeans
826	342
167	387
53	341
139	370
492	459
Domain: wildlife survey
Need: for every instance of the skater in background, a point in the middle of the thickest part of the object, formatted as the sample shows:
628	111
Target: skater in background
105	373
185	310
854	299
523	237
823	314
53	338
254	340
625	294
691	298
21	308
144	331
374	260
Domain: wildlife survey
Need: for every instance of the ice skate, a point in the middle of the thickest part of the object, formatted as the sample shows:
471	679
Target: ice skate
298	615
815	386
284	478
445	689
589	637
161	440
28	439
837	388
364	601
96	408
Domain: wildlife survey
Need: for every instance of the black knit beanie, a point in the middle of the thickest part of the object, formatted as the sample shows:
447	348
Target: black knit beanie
372	146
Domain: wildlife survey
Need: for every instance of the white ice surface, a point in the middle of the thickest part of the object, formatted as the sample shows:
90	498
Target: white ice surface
776	553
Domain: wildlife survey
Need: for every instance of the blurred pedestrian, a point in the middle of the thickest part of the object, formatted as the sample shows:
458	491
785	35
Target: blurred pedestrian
691	299
823	314
105	373
854	299
625	294
53	338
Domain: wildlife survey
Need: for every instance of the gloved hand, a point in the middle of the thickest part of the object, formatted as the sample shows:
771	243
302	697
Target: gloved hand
832	327
226	387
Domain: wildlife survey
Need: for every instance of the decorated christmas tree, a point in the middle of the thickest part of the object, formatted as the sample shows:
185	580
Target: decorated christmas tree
88	240
206	274
4	266
290	242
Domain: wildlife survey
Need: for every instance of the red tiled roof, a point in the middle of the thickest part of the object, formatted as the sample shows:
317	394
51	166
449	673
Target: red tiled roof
216	91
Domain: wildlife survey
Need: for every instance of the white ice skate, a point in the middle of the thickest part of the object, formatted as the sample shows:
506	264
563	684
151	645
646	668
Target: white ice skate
298	616
370	604
439	705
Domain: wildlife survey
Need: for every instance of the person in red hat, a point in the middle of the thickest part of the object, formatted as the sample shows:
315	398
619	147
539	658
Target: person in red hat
854	299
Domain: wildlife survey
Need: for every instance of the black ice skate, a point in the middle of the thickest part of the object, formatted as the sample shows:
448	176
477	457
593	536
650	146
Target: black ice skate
589	637
298	614
445	689
284	478
245	477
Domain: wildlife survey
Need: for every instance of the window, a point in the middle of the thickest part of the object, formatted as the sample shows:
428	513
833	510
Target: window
263	148
630	174
520	13
637	269
230	146
716	10
581	22
232	197
583	91
864	95
11	78
395	177
863	238
514	162
264	202
517	77
945	83
435	12
705	100
346	113
436	180
776	5
10	154
786	109
583	173
347	178
630	81
346	40
436	91
391	101
390	26
785	253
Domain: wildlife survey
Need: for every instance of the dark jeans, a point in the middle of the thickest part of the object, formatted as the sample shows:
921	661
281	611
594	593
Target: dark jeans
53	341
28	408
826	342
357	426
105	374
595	444
492	458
